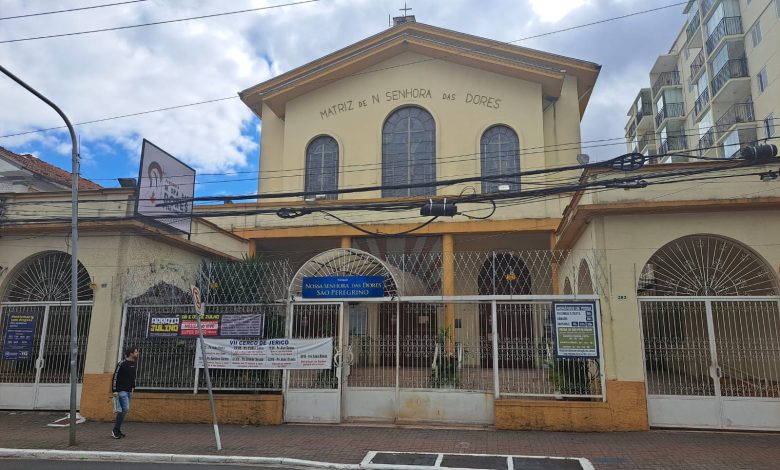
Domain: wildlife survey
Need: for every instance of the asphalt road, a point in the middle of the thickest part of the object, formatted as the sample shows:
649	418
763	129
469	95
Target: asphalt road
13	464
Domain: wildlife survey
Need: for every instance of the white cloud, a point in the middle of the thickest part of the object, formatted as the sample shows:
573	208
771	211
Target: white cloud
119	72
552	11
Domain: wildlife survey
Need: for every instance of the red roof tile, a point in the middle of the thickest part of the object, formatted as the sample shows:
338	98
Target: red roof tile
46	170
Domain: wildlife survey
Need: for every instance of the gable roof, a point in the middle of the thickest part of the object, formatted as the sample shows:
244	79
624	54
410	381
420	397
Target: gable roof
45	170
528	64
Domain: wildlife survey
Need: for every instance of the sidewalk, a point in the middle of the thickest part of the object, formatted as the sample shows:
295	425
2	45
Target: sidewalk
349	444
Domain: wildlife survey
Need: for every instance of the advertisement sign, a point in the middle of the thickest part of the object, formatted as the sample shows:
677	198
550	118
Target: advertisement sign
214	325
576	329
163	182
18	343
267	353
334	287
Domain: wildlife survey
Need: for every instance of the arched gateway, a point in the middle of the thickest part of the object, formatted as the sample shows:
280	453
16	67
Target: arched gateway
35	312
711	335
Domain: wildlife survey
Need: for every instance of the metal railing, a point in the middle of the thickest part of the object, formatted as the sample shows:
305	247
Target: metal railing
693	25
712	346
736	68
167	363
644	140
707	141
697	65
666	79
706	6
701	101
737	113
647	110
670	110
728	26
673	143
631	129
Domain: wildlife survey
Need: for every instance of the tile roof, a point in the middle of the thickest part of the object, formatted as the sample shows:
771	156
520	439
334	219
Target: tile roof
48	171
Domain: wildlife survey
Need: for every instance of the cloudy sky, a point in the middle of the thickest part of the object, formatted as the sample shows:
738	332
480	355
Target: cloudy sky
101	75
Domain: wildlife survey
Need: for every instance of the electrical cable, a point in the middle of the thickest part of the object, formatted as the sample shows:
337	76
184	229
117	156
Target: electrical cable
156	23
70	10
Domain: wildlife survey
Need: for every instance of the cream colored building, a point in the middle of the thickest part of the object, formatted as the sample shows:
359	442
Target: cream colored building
676	264
715	90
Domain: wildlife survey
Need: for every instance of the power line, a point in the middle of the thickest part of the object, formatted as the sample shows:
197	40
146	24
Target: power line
155	23
70	10
354	74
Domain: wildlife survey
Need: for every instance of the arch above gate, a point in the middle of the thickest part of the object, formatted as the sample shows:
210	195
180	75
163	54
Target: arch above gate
45	277
352	262
706	265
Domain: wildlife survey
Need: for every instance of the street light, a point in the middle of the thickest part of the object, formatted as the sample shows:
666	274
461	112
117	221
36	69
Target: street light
74	235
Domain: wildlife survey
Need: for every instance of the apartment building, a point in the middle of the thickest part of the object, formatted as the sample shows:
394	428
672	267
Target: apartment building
715	90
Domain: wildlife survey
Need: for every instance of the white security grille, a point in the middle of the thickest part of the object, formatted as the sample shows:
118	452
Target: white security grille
706	265
46	278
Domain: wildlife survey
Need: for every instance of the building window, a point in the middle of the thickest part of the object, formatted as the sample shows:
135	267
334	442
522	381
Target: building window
322	166
409	152
755	33
769	126
761	78
500	155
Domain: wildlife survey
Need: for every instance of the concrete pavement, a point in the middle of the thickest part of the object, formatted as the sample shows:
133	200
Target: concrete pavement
348	444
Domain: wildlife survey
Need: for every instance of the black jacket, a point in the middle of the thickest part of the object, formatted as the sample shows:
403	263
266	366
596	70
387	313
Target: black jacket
124	377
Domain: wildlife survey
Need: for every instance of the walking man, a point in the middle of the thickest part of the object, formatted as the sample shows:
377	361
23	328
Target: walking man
123	385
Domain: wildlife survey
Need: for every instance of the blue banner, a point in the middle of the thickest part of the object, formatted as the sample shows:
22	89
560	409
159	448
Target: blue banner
340	287
18	343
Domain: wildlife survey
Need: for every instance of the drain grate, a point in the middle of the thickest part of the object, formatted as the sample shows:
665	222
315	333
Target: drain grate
418	461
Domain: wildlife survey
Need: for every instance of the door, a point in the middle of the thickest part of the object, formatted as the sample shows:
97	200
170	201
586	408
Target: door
712	363
314	396
35	363
416	331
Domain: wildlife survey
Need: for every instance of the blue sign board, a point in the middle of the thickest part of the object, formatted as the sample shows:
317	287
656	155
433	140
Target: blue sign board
340	287
18	343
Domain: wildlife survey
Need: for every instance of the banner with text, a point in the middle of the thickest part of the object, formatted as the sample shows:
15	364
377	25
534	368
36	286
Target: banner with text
267	353
214	325
18	341
334	287
576	329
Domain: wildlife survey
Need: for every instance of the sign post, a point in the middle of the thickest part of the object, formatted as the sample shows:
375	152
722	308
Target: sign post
200	309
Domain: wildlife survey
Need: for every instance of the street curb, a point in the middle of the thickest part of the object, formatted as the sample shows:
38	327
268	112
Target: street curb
105	456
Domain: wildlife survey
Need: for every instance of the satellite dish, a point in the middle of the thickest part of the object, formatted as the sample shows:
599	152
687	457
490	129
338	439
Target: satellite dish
583	159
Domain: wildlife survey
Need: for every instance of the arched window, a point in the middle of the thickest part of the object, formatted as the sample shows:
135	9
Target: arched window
500	155
46	278
409	152
322	166
584	280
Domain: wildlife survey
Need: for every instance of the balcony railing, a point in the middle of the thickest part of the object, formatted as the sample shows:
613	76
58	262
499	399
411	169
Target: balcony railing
701	101
644	140
731	69
707	141
737	113
647	110
631	129
706	6
697	64
693	25
670	110
727	27
666	79
672	144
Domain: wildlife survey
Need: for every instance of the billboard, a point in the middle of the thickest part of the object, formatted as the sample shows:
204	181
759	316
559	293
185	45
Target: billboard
165	188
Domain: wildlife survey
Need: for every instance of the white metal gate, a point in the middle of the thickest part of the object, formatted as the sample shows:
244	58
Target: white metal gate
43	381
397	360
712	362
315	395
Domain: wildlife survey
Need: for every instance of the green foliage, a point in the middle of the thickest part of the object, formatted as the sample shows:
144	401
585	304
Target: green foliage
570	376
445	372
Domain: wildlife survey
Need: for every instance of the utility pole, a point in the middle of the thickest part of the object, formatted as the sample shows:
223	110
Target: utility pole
74	262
